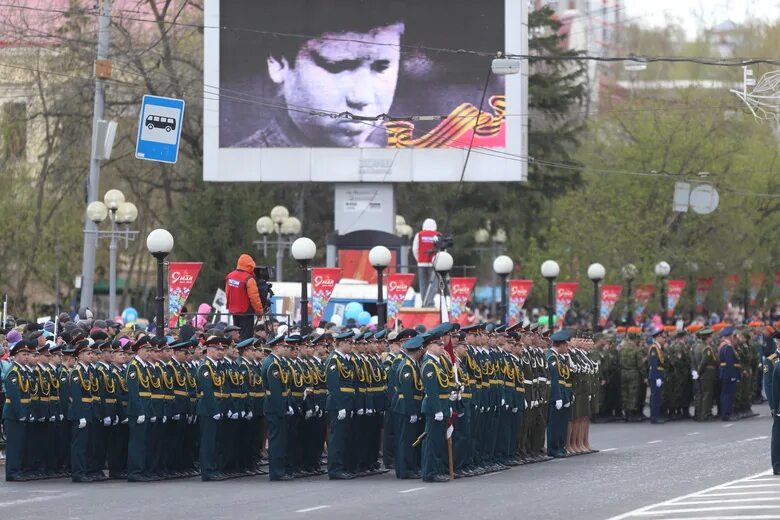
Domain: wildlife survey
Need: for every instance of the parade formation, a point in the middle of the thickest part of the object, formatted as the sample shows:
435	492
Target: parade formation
96	402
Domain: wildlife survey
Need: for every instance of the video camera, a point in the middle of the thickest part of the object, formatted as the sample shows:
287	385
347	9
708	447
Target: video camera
444	241
263	274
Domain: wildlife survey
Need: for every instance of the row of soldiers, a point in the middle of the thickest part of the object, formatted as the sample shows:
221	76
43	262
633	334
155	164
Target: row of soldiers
699	367
148	408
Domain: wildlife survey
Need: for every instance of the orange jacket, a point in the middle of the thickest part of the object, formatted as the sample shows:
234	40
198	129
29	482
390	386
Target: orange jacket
247	264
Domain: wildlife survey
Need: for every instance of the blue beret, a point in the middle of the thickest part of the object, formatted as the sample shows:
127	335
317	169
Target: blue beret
561	336
727	331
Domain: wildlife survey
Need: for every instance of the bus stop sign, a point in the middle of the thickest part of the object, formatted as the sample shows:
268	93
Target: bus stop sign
159	129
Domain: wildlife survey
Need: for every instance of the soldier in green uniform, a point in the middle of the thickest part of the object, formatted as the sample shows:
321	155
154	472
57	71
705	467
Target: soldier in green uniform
340	379
211	384
276	408
631	374
177	460
707	371
16	411
408	409
771	379
63	431
82	382
390	363
139	398
117	442
559	375
436	407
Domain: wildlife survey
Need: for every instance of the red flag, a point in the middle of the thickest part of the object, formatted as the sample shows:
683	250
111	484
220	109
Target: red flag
451	353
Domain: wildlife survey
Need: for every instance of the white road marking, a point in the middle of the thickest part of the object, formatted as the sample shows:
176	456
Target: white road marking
755	439
728	425
654	442
308	509
740	517
412	490
702	509
754	486
33	500
693	433
679	501
608	449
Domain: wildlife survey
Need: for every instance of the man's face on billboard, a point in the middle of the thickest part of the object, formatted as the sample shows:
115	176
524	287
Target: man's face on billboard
336	75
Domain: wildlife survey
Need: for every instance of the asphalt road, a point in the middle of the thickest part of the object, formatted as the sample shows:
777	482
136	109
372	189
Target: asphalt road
640	465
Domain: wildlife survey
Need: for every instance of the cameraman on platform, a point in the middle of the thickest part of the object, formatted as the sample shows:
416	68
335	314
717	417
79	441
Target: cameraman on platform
243	298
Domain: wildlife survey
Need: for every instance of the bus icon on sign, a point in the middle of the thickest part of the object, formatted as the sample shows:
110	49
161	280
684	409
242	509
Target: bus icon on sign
166	123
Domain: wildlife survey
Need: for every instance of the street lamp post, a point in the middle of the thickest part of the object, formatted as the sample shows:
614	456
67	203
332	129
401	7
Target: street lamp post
304	250
442	264
160	244
596	273
503	266
497	240
284	226
380	258
550	270
662	270
629	272
120	212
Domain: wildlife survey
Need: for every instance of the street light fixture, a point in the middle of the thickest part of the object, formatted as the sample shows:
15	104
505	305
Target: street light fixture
122	213
442	264
284	226
160	244
629	272
550	270
596	273
380	258
662	270
503	266
303	251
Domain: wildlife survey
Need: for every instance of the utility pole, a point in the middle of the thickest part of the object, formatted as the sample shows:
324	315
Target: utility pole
102	71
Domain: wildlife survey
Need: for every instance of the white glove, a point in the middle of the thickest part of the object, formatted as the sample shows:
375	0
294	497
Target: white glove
503	401
361	411
217	417
41	419
342	415
567	405
106	421
164	419
514	410
694	375
481	408
52	418
316	408
243	414
125	420
412	419
116	420
176	417
439	416
536	404
249	416
23	419
153	420
82	424
229	414
308	414
290	410
141	419
558	404
453	396
62	417
658	383
235	416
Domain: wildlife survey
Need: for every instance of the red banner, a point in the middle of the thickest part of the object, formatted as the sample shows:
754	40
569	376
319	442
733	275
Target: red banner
354	264
609	297
397	286
181	278
673	293
564	295
729	286
323	281
460	292
518	294
756	282
642	297
703	286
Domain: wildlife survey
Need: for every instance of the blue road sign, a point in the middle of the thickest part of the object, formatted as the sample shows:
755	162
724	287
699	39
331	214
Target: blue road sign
159	129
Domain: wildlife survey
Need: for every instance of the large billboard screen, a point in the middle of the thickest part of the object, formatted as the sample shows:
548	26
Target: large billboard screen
363	91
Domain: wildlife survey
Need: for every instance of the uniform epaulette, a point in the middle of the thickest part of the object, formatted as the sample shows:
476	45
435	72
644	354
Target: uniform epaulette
773	357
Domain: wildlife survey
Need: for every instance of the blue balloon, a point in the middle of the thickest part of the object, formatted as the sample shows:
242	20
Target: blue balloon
129	315
364	318
353	310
